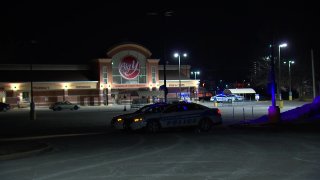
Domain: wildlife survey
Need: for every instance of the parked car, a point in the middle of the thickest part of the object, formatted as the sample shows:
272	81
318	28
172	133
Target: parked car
226	98
235	97
58	106
221	98
4	106
180	114
23	104
123	121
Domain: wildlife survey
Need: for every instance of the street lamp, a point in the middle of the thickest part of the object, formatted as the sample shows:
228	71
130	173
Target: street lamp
195	78
195	74
32	114
164	15
283	45
177	55
290	92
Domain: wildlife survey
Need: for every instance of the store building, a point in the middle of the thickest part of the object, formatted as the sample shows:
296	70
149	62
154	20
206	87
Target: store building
127	73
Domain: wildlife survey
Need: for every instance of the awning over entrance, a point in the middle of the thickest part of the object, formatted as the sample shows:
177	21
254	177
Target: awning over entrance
239	91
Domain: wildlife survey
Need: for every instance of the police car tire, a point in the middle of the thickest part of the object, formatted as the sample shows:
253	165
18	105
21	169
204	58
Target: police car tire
153	126
205	125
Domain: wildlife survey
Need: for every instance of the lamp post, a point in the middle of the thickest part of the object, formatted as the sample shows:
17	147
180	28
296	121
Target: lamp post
177	55
195	74
164	15
32	114
283	45
273	110
290	92
32	105
195	78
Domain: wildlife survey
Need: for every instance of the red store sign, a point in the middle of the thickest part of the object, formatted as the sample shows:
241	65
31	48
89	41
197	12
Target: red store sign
129	67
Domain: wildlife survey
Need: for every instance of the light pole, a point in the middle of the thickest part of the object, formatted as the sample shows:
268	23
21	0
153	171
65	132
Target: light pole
195	74
290	92
164	15
195	78
283	45
273	110
32	114
177	55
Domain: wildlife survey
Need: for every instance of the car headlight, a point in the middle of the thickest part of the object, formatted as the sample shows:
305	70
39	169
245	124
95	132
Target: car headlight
119	119
139	119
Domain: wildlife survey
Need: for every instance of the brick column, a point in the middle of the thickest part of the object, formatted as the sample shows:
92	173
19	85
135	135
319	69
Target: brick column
65	94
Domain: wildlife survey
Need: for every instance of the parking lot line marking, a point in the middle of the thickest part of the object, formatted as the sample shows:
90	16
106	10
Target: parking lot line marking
47	136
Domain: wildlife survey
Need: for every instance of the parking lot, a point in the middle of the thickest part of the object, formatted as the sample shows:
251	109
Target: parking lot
82	146
97	118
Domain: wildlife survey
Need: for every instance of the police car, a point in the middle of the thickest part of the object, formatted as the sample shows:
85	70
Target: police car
123	121
177	115
220	98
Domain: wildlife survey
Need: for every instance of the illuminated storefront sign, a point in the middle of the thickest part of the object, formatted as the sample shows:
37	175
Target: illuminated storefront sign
40	88
129	67
129	85
175	85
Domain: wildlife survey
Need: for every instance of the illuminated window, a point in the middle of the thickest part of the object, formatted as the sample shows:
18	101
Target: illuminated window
105	74
153	74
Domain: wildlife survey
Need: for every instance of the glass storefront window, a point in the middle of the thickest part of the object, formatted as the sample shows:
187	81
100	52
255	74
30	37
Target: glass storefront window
105	74
153	74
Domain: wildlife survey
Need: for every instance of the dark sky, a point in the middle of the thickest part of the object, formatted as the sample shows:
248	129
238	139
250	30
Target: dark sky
222	39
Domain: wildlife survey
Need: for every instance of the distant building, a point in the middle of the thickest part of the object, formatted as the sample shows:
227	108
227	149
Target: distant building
125	74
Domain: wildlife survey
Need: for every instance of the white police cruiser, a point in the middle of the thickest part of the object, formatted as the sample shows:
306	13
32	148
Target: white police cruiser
177	115
123	121
226	98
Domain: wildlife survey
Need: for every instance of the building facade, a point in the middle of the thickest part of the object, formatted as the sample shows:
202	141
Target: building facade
127	73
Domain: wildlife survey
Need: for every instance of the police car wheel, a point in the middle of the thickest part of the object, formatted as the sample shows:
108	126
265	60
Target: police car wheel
153	126
205	125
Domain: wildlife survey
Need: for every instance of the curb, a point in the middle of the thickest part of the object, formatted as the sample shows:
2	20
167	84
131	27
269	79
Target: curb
26	153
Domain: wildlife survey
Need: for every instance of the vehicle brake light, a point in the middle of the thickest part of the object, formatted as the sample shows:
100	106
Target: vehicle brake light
219	112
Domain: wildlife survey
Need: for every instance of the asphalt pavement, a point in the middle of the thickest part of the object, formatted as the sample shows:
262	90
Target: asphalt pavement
20	139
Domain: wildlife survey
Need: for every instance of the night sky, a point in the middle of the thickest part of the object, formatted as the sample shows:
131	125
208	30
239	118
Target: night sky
222	39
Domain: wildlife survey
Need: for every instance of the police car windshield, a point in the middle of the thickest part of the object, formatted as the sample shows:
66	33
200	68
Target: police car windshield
143	109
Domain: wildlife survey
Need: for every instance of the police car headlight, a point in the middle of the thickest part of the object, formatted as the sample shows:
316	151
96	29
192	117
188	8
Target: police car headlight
119	119
137	119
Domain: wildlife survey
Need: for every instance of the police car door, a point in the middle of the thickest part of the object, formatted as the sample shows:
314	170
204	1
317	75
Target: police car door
176	115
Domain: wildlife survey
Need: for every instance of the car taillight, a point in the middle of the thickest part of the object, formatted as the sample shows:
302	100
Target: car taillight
219	112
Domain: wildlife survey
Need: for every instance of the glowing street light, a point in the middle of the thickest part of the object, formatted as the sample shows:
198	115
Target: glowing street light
177	55
195	78
195	74
283	45
290	92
